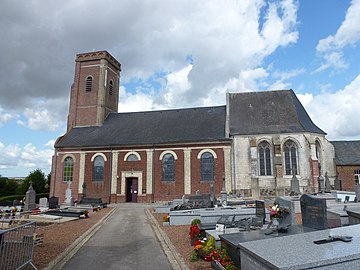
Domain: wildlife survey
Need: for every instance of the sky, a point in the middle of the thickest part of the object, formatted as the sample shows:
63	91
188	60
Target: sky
174	54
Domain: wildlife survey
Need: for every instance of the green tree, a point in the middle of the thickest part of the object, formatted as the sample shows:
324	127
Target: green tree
7	186
38	180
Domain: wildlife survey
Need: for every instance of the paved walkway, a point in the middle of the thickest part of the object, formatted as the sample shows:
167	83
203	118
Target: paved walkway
125	241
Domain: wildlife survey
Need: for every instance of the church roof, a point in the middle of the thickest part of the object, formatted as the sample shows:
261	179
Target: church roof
153	127
347	152
268	112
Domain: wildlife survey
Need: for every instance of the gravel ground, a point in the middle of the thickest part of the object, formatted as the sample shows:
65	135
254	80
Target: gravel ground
58	236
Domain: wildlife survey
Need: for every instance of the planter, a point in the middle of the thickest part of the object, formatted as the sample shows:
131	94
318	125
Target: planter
166	223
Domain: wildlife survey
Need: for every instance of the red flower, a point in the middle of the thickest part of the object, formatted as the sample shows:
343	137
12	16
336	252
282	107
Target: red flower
194	231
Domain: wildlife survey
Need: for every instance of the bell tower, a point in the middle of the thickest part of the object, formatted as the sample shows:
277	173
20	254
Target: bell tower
95	91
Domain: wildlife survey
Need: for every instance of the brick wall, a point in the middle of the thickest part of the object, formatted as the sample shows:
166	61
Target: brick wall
346	174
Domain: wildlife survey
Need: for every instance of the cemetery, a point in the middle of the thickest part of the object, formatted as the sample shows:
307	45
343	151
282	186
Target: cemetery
303	231
307	231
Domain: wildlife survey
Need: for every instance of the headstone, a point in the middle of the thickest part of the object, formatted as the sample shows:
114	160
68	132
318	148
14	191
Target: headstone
260	210
289	204
200	201
53	202
321	183
30	198
294	184
43	202
327	183
313	212
223	194
69	201
337	183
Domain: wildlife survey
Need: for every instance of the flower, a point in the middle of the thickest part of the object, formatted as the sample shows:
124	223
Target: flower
194	232
278	212
166	218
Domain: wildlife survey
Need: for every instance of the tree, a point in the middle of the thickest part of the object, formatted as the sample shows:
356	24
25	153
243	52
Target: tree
7	186
38	180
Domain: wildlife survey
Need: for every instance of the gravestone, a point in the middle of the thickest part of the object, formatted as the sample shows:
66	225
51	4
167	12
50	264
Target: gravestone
199	201
223	194
289	204
43	202
260	210
327	183
294	184
321	183
69	201
337	183
30	198
313	212
53	202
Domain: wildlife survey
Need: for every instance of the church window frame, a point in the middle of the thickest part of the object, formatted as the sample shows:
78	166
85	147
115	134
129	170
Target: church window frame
265	159
98	168
207	166
68	169
111	87
291	158
89	83
168	167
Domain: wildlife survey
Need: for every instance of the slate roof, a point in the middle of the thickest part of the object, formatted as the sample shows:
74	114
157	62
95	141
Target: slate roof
347	152
268	112
153	127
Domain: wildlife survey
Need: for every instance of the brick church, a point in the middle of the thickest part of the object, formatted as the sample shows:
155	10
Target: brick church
254	143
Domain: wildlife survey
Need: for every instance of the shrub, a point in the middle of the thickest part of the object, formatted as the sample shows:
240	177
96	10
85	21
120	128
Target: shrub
195	221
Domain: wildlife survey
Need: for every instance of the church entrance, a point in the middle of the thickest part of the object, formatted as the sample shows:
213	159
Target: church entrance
131	189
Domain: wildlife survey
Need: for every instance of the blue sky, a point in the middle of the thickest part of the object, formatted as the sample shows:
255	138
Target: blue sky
174	54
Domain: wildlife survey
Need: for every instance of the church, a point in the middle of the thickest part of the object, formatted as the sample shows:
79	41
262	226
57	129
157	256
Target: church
253	145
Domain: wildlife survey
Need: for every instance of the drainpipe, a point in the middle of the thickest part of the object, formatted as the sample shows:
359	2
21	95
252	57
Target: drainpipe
110	179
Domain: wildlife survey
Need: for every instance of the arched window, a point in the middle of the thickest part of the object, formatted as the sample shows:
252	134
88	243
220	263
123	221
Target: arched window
207	167
132	157
88	83
168	167
99	168
290	152
265	159
111	87
68	169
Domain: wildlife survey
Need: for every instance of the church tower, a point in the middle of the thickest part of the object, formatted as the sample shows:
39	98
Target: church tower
95	91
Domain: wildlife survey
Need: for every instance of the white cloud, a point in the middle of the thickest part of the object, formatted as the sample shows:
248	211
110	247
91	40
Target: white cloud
24	159
6	116
347	34
336	113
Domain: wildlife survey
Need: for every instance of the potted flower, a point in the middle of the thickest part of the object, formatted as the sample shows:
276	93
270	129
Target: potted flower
194	233
276	213
166	220
195	253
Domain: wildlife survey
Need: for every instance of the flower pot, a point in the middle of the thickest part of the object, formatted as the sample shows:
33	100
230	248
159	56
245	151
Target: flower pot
166	223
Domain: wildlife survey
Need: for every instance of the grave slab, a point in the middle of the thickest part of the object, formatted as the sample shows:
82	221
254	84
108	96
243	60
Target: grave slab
300	252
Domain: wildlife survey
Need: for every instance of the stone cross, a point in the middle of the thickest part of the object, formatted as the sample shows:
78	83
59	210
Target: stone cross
223	194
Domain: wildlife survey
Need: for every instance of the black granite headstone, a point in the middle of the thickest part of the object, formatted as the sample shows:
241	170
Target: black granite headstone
53	202
313	212
260	210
